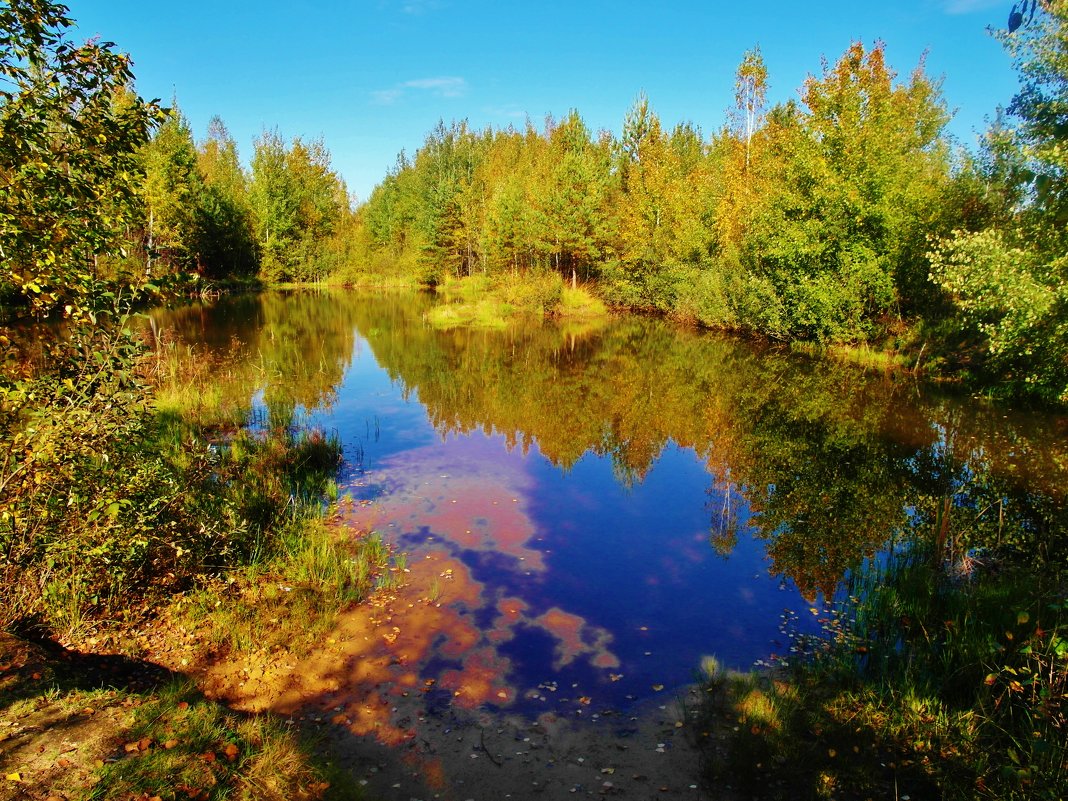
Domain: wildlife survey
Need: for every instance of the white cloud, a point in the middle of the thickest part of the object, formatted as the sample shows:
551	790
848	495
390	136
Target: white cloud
447	86
386	97
444	87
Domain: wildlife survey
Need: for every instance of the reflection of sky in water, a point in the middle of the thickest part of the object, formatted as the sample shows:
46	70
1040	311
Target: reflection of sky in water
566	586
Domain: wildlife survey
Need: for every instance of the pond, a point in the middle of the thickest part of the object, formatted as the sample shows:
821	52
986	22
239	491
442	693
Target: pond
595	507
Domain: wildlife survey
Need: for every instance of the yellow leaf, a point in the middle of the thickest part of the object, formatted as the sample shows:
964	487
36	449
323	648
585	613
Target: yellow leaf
14	777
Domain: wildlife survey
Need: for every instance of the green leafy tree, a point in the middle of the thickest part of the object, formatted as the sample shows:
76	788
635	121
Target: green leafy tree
1009	281
506	177
855	176
321	202
275	201
227	245
1040	55
69	153
572	211
750	95
173	194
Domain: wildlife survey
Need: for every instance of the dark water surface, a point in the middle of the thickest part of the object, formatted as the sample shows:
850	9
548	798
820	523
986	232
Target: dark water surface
620	499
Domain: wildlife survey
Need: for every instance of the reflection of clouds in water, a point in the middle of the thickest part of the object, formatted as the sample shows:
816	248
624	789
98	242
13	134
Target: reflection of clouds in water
453	508
577	638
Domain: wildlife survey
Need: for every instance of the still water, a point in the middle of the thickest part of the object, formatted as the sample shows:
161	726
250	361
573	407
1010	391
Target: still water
602	505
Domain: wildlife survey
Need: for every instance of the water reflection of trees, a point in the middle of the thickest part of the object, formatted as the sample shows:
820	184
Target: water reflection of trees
831	461
292	347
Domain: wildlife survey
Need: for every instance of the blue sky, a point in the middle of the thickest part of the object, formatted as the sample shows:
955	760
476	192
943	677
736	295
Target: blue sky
373	77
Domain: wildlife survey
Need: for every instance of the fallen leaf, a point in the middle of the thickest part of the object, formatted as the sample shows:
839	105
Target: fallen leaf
170	744
14	777
144	743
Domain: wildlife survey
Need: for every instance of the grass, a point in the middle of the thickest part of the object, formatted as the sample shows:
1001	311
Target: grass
140	734
197	388
291	600
179	745
580	302
487	314
485	302
925	684
188	504
863	355
164	508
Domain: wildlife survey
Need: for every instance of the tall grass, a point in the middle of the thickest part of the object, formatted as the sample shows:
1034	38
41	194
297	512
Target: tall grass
580	302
